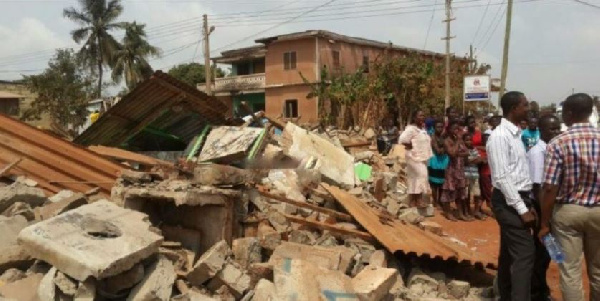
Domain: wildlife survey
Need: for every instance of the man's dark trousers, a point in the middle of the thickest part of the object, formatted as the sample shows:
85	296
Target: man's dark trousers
517	251
539	285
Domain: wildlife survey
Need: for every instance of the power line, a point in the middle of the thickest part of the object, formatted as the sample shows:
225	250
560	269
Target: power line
491	27
430	23
277	25
494	31
481	21
587	4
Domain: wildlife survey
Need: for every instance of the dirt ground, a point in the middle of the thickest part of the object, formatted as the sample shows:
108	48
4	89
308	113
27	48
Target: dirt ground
485	237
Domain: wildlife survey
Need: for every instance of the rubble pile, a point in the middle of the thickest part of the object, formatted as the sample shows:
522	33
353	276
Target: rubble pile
248	216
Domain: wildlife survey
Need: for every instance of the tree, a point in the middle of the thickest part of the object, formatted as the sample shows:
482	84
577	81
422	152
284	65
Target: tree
64	90
97	19
192	73
130	61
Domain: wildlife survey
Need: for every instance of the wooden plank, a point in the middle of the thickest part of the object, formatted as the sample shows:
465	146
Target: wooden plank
360	234
337	215
276	123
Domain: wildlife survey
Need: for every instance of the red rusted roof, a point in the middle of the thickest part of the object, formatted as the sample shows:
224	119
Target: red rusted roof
407	239
161	104
54	163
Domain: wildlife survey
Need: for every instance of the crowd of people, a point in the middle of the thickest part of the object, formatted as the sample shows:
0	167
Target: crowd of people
533	179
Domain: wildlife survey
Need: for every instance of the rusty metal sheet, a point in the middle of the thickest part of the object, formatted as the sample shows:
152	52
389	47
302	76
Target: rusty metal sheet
161	103
54	163
405	238
123	155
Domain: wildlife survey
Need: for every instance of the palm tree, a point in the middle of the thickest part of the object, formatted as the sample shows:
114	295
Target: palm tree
130	61
97	18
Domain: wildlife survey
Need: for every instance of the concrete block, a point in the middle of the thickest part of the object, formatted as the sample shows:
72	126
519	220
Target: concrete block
334	258
61	195
133	176
269	238
334	163
216	175
10	227
422	280
302	237
21	193
379	259
14	257
264	291
98	240
303	281
458	289
278	221
235	279
157	284
411	216
86	291
22	290
372	284
258	271
247	251
209	264
432	227
53	209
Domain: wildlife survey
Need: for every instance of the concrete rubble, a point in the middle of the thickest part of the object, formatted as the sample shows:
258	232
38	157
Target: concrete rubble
205	230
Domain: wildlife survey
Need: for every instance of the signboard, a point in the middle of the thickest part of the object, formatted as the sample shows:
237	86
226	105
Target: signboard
477	88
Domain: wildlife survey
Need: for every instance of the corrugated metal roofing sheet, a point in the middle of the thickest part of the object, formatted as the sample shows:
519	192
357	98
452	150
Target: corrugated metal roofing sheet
54	163
406	238
161	103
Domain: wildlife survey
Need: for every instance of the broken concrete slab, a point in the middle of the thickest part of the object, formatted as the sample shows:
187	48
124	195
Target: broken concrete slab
14	257
21	193
228	143
373	284
221	175
235	279
189	238
411	216
61	195
432	227
86	291
209	264
98	240
189	195
302	237
333	258
422	280
11	275
458	289
278	221
10	227
247	251
65	284
264	291
53	209
379	259
303	281
46	291
157	284
335	164
22	290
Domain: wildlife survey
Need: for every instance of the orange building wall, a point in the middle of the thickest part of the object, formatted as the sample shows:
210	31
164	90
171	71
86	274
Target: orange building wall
305	62
307	108
351	55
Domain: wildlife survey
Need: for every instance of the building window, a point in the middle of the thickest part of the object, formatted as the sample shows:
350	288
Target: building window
336	58
291	108
366	64
289	60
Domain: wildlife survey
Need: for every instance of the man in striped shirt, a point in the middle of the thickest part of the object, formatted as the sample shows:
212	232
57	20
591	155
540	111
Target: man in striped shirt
511	200
571	197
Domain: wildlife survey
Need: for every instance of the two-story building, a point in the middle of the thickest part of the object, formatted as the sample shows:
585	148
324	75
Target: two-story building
267	76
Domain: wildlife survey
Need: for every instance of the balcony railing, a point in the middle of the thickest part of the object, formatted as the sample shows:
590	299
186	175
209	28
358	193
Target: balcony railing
237	83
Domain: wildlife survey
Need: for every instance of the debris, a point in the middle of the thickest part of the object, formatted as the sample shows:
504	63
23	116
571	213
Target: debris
98	240
247	251
458	289
65	284
378	259
11	275
209	264
422	281
235	279
20	208
334	163
258	271
335	258
264	291
189	238
432	227
11	254
135	177
126	280
86	291
218	175
47	289
370	133
373	284
157	284
22	290
411	216
302	237
228	143
53	209
20	193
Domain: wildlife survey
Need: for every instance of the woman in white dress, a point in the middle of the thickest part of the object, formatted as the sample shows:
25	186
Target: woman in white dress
418	145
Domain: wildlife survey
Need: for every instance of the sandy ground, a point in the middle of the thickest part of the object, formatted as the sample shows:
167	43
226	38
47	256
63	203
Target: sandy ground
485	237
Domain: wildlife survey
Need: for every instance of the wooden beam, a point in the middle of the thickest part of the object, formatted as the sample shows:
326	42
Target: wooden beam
337	215
360	234
276	123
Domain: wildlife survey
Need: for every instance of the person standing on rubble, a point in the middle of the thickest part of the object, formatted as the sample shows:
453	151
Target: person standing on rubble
455	184
511	201
418	143
549	127
571	197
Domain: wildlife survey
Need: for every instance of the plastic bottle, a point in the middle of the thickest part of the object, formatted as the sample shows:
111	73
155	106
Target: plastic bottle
553	248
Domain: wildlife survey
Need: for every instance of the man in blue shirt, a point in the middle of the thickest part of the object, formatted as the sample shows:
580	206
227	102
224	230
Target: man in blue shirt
531	134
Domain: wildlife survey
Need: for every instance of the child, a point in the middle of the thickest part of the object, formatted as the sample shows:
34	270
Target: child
472	177
438	163
455	186
485	180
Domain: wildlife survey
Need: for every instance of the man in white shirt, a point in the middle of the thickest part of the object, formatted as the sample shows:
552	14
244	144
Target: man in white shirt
511	201
549	127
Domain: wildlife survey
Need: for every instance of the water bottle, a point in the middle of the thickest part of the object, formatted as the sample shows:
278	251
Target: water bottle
553	248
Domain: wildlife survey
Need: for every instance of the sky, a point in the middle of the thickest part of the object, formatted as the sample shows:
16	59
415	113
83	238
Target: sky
554	47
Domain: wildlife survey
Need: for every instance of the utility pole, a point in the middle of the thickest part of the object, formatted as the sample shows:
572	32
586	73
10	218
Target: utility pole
207	67
448	38
506	48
